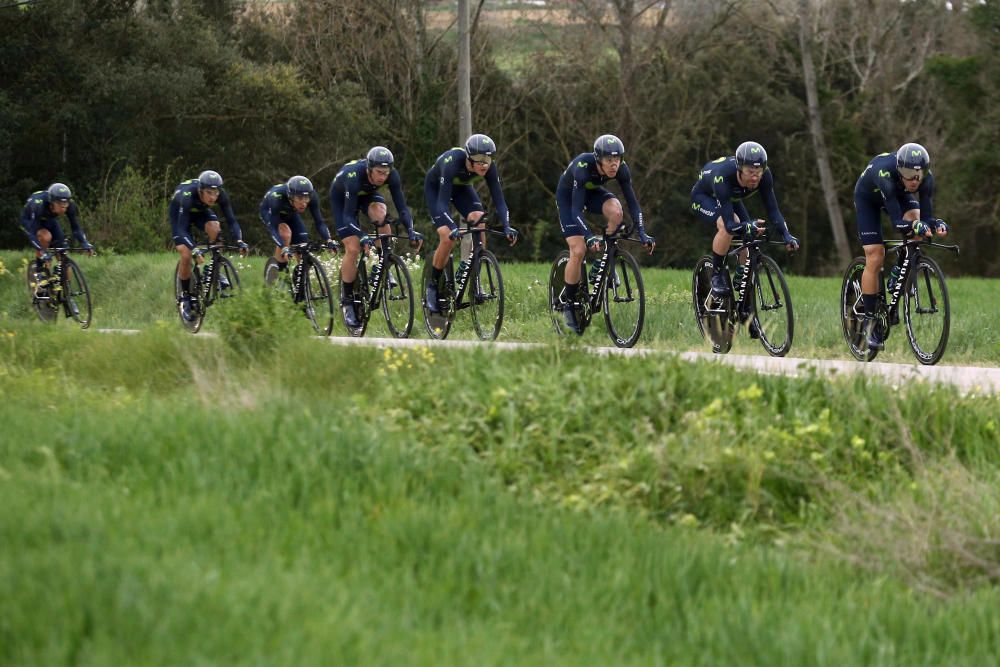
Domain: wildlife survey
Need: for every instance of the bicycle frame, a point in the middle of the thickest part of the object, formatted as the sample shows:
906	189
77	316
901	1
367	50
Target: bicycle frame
376	291
606	261
750	267
908	255
462	281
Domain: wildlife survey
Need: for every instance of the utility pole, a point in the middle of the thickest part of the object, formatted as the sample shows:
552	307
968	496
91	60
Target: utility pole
464	73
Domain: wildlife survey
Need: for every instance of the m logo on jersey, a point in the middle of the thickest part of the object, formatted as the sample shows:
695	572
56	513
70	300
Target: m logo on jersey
719	179
581	164
883	173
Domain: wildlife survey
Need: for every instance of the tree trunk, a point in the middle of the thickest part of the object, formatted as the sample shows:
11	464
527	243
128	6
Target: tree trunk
464	73
819	142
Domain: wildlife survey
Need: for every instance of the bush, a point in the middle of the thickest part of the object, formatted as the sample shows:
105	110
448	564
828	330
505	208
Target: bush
259	320
130	212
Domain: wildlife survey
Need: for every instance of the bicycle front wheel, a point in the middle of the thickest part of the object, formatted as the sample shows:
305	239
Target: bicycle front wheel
317	300
226	283
41	296
438	324
852	311
397	298
772	308
713	314
927	311
196	313
76	293
624	300
487	296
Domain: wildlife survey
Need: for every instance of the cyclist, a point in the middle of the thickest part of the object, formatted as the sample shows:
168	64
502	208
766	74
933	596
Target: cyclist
354	188
192	204
717	198
281	212
581	188
451	180
40	220
902	185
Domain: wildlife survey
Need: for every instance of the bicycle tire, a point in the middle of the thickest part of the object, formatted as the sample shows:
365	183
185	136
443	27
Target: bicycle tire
76	293
852	312
438	325
921	301
714	315
359	300
197	311
317	300
624	300
487	296
772	316
397	298
557	283
42	302
223	267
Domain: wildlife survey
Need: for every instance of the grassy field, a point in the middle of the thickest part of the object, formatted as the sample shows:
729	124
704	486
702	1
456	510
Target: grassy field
135	291
263	498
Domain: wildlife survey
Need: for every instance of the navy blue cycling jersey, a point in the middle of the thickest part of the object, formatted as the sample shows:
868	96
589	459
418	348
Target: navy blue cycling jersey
37	214
186	208
881	184
276	208
351	186
450	170
582	176
718	180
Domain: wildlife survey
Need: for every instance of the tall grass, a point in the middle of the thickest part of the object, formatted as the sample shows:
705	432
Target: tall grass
169	499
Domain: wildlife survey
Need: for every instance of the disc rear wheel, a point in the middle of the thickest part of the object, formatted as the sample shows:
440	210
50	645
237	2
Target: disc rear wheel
713	314
852	311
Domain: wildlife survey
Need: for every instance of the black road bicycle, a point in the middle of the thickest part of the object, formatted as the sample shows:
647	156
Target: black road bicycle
388	286
478	285
61	287
760	297
921	288
217	280
617	290
307	284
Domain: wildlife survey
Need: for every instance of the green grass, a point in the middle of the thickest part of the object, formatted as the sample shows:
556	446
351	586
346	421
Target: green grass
168	499
135	291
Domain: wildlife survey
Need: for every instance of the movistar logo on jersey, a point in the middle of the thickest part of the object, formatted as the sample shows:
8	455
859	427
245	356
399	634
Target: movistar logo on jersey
883	173
719	179
448	159
353	174
581	164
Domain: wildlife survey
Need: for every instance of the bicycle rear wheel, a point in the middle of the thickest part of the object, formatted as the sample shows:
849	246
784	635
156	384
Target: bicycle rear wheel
624	300
76	293
397	297
773	315
438	324
317	300
487	296
557	302
713	314
197	313
927	311
41	296
852	312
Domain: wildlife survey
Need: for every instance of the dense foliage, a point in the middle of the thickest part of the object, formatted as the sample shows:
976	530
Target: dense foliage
124	99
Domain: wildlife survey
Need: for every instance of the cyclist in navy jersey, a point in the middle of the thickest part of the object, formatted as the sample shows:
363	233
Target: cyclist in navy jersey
281	212
40	220
717	199
451	180
902	186
355	188
192	205
581	188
